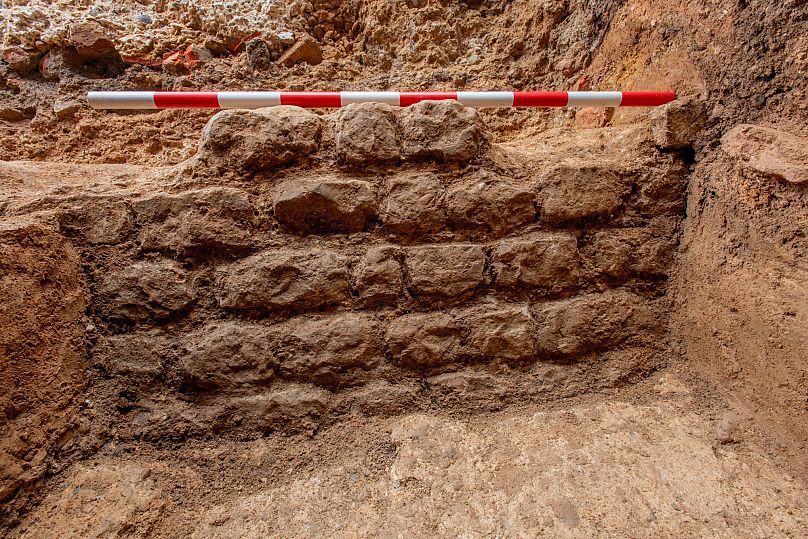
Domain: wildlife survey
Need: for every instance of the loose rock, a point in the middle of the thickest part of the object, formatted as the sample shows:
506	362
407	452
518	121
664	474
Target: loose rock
306	49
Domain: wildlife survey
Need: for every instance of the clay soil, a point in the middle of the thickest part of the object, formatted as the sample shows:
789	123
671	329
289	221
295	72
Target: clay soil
253	330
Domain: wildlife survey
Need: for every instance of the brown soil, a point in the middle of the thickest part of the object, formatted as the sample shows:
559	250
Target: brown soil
427	321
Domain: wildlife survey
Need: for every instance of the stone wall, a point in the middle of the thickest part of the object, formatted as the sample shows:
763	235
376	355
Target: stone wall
374	260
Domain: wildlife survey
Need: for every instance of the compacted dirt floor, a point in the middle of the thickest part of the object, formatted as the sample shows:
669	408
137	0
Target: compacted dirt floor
430	321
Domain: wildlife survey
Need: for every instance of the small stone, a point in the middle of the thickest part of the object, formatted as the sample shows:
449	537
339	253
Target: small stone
216	46
20	60
286	37
284	280
143	18
59	64
90	40
65	110
378	277
727	429
548	261
258	55
306	49
196	56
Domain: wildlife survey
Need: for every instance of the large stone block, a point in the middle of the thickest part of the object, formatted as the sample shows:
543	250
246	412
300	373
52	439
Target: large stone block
482	332
259	139
445	270
291	408
284	280
321	349
593	322
425	340
661	188
415	205
770	152
98	220
626	252
227	355
677	124
490	204
503	332
549	261
570	193
443	130
334	205
378	276
216	220
144	290
368	133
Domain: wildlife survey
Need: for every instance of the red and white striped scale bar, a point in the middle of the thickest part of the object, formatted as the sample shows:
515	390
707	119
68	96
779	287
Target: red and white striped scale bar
254	100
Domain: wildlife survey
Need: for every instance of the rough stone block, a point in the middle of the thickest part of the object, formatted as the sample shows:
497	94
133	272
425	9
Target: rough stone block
90	40
280	280
445	270
333	205
383	398
424	340
770	152
571	193
378	276
321	348
547	260
443	130
145	290
293	408
626	252
136	357
216	220
592	322
97	220
227	355
415	205
661	189
490	204
499	332
676	124
367	133
259	139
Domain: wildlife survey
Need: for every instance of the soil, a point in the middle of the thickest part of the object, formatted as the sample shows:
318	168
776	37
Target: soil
427	321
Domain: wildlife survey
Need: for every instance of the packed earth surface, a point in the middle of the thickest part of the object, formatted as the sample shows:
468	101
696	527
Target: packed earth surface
427	321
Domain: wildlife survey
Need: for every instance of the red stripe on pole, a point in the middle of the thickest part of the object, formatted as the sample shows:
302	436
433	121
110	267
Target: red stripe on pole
186	100
647	99
411	98
312	99
540	99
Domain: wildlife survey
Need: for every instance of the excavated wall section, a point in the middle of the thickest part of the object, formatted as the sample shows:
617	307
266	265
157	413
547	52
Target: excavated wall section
371	261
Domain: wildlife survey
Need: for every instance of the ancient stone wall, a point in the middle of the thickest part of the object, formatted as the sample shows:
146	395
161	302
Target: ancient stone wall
374	260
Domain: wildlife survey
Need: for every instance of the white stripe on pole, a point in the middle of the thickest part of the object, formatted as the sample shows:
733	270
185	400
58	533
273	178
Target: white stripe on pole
485	99
121	100
391	98
248	100
594	99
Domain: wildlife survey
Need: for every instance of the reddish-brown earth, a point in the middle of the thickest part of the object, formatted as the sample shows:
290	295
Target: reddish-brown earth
427	321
